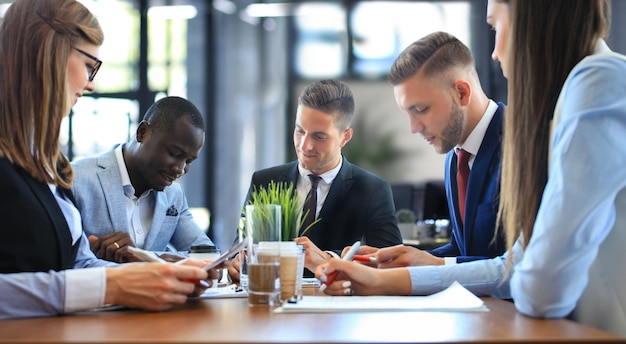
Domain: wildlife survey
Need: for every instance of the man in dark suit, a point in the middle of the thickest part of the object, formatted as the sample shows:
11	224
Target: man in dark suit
351	203
435	82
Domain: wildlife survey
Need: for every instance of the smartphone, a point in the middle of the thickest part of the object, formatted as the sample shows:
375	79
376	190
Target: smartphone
143	255
226	255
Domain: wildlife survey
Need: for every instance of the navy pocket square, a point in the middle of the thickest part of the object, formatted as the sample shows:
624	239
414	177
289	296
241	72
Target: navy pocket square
171	211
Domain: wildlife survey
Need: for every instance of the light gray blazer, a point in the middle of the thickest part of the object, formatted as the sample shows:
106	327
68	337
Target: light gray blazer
101	201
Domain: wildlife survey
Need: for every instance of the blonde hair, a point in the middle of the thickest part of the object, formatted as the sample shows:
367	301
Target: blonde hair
36	38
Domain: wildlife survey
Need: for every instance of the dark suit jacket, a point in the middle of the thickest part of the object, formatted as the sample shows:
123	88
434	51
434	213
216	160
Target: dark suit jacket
473	241
35	234
359	206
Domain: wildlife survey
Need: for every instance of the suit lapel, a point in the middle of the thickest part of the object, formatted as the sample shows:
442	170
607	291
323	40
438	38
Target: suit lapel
338	192
453	193
49	203
110	178
481	170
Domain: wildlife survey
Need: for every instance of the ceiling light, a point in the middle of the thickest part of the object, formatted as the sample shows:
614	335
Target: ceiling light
173	12
269	10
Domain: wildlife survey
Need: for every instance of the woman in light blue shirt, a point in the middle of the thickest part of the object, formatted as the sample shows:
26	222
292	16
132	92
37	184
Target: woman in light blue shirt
563	196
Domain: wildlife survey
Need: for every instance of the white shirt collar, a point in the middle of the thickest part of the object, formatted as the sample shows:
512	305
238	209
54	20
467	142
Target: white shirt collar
129	189
327	176
475	138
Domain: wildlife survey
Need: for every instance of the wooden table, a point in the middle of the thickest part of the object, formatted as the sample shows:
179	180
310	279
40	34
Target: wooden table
233	321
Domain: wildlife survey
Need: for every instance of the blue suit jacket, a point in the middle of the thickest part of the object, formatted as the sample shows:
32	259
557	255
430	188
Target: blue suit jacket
474	240
359	206
100	198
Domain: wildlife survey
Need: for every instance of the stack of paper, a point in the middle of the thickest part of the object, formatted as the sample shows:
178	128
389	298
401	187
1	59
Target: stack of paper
453	299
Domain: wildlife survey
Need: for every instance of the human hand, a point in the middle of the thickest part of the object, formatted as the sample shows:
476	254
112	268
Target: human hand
313	256
363	250
152	286
213	274
234	268
112	247
400	256
358	279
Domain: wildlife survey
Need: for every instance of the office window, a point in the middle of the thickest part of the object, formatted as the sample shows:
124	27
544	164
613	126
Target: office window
321	43
98	124
111	115
167	49
379	31
382	29
120	22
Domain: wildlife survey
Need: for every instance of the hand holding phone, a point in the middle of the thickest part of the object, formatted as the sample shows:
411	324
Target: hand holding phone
226	255
149	256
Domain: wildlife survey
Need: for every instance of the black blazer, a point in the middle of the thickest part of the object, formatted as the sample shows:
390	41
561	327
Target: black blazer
359	206
35	234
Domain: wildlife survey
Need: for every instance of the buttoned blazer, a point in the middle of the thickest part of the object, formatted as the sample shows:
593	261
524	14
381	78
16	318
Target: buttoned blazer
359	206
473	240
101	200
35	234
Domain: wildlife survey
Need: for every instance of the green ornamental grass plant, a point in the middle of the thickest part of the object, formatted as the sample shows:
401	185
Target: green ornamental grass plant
285	195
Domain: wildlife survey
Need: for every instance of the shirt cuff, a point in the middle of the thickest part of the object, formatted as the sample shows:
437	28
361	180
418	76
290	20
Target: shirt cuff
335	255
84	289
449	260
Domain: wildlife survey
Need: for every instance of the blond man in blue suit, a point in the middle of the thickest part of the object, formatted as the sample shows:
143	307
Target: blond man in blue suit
128	195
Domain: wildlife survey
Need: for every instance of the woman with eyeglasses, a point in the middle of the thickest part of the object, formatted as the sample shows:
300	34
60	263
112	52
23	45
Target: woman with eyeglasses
48	58
563	190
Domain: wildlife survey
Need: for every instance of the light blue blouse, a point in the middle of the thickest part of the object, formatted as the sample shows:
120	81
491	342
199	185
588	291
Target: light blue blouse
575	259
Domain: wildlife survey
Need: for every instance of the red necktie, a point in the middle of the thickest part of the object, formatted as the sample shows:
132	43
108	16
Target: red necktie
310	205
462	175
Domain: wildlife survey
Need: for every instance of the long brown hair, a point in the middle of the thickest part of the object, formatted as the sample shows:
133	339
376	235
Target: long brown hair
36	38
546	40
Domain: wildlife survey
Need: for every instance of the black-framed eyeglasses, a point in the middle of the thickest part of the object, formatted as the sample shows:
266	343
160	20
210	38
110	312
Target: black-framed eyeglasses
93	69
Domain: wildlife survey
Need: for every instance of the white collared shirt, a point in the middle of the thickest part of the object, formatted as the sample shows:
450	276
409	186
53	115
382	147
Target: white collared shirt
70	212
139	210
304	184
475	138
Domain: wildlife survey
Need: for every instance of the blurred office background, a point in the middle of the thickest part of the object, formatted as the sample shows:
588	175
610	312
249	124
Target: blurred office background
243	63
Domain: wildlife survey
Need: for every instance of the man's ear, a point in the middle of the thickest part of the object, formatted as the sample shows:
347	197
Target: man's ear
463	91
347	136
143	131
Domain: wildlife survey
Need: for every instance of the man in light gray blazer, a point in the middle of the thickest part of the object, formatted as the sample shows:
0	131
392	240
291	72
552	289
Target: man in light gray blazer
128	195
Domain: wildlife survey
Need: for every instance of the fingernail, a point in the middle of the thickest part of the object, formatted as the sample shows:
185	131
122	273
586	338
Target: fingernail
348	292
323	279
346	284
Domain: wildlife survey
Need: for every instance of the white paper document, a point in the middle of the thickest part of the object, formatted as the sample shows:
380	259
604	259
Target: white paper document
453	299
223	292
